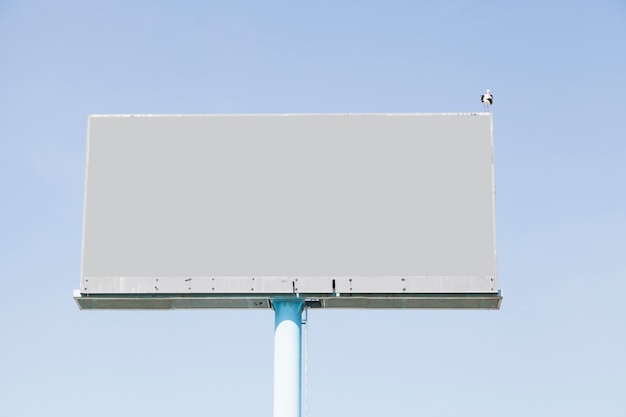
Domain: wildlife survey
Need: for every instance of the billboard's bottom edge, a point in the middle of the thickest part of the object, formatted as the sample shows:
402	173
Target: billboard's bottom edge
473	301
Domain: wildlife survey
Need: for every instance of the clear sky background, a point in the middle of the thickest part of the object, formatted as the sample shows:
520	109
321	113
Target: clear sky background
558	74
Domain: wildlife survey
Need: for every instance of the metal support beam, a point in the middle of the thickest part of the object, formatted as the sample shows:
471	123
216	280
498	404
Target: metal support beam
288	357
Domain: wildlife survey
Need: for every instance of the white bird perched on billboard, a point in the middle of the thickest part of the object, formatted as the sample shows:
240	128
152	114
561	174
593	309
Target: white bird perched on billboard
487	100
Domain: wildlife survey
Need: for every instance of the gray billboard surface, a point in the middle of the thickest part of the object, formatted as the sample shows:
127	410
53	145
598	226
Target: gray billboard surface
346	210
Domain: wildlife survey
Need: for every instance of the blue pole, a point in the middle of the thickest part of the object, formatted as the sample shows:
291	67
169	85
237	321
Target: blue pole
288	357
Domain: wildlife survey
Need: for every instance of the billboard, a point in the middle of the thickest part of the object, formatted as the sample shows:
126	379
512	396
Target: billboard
344	210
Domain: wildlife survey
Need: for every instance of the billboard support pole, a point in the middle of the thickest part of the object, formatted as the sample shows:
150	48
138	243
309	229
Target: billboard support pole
288	356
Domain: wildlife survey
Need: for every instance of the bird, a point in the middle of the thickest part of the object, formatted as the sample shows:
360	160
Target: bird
487	100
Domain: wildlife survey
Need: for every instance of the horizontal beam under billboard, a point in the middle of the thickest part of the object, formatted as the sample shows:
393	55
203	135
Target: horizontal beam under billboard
245	301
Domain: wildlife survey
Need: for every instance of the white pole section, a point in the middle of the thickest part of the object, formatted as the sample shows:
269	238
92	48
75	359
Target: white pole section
288	357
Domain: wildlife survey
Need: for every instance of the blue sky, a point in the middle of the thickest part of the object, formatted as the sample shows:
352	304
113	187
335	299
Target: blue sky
557	71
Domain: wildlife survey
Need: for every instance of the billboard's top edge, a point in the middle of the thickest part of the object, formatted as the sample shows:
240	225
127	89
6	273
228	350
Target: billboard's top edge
291	114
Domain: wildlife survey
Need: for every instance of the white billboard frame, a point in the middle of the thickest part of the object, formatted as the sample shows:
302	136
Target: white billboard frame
453	172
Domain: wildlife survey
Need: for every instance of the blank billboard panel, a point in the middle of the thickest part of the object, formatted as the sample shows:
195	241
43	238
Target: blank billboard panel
347	210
